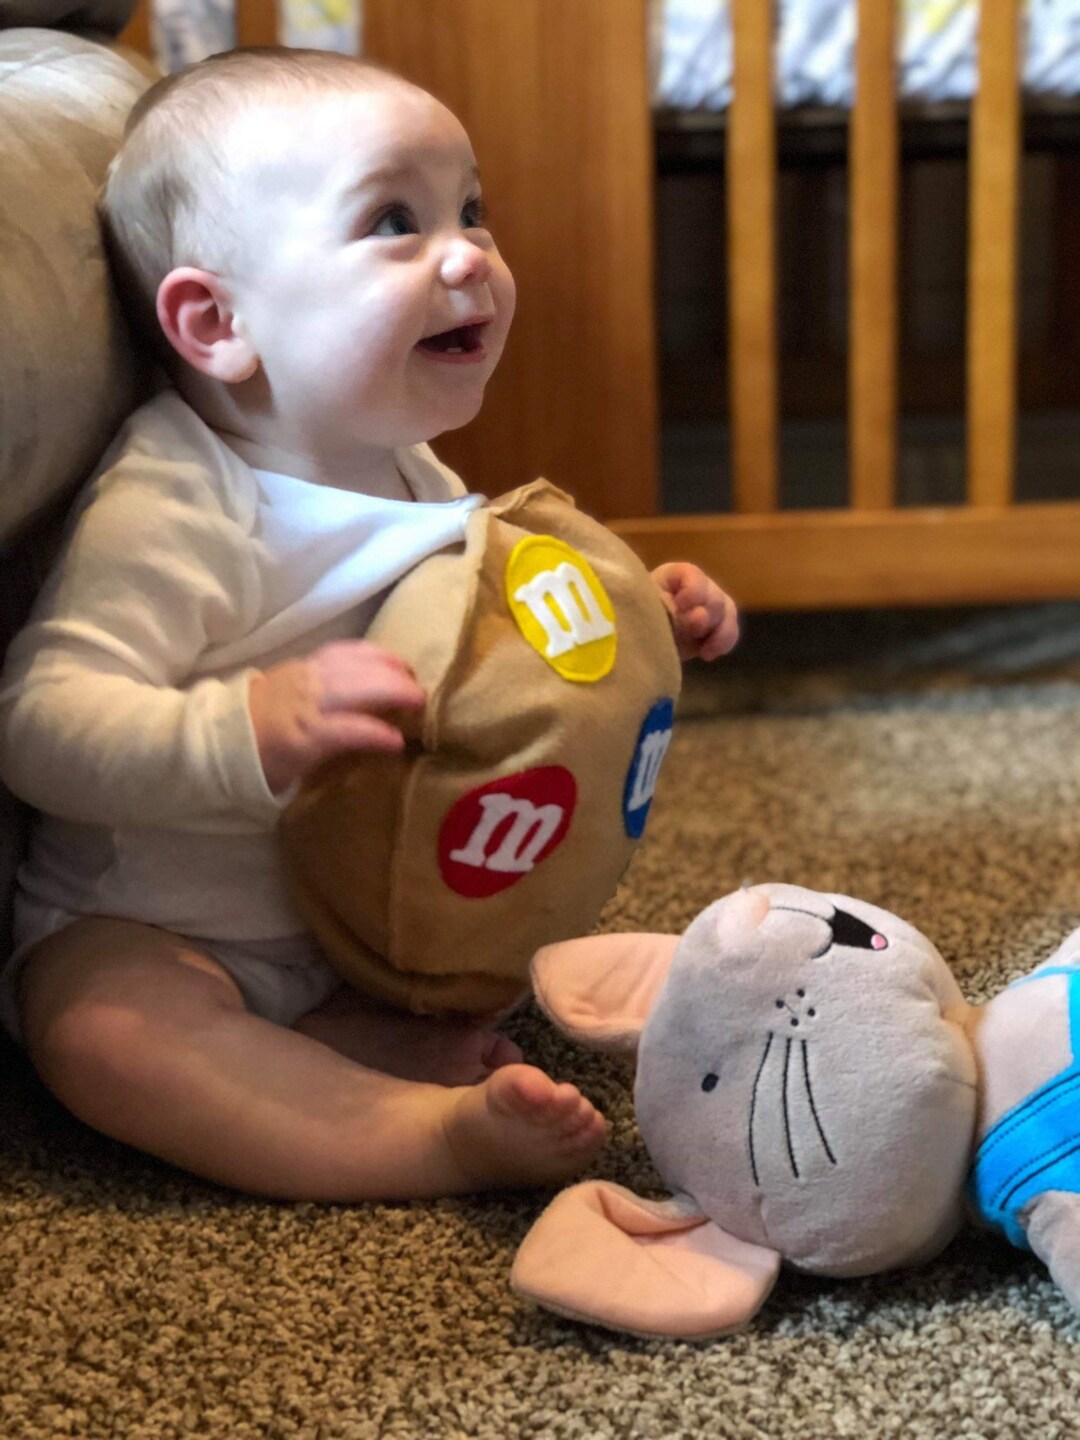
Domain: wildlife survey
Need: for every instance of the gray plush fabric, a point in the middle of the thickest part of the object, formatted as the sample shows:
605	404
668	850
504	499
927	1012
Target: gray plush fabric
107	16
141	1303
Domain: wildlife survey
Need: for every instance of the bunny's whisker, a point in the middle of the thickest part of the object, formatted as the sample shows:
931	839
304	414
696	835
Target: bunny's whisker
753	1107
813	1106
787	1113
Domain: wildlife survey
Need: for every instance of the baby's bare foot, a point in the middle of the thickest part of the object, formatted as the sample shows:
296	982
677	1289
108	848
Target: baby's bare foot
411	1047
520	1127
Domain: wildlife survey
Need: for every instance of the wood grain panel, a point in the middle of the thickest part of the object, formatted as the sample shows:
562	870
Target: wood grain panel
992	303
256	22
813	560
555	96
751	208
137	31
874	180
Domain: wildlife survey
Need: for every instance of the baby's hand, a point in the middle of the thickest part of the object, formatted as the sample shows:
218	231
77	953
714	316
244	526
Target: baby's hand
704	619
306	710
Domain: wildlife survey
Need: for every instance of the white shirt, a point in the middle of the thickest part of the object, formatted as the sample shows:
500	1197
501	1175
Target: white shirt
123	706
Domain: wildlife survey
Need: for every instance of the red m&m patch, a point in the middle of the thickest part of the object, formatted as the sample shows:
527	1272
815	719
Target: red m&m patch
498	833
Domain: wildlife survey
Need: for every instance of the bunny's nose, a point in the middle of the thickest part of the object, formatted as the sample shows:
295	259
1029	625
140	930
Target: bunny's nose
797	1009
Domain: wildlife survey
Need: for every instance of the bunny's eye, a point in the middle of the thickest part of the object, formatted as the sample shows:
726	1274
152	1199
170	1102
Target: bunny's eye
710	1082
850	930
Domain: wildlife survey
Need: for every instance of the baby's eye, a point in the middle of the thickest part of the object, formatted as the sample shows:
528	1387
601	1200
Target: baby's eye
398	220
473	214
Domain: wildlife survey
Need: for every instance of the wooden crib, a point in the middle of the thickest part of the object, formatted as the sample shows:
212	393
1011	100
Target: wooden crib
556	96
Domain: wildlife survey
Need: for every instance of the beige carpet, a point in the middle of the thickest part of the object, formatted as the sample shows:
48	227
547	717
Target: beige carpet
138	1303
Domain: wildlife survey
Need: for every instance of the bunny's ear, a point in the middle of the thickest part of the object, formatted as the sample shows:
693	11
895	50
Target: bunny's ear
600	990
600	1254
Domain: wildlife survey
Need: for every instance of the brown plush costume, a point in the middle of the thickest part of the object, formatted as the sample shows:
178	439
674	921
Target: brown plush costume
430	878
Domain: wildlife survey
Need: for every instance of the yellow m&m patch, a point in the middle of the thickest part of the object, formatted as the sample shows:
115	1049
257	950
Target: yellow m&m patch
561	608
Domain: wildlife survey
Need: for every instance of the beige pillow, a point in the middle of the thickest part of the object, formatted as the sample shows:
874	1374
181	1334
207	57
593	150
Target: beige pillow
551	674
66	371
66	374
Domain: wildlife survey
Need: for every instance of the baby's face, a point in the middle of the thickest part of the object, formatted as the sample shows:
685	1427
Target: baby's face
367	282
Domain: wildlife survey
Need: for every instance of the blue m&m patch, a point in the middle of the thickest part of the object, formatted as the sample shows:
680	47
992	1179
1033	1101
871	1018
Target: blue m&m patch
653	740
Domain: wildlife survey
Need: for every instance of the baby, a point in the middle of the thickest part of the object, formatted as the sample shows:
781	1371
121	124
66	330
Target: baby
305	237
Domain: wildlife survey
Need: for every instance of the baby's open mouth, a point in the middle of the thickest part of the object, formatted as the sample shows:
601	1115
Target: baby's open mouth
464	340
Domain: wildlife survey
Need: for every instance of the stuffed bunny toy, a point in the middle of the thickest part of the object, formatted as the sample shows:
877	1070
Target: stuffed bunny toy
813	1088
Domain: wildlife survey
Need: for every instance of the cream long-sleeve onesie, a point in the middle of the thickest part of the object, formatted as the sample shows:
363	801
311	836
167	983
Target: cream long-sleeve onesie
124	703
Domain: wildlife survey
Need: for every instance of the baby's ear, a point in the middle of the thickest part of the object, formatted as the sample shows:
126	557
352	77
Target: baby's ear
600	990
195	312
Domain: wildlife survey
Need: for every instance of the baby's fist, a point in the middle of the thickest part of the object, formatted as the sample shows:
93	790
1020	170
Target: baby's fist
704	620
303	711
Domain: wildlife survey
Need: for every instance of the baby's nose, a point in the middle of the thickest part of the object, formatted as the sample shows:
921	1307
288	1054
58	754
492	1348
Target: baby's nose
464	263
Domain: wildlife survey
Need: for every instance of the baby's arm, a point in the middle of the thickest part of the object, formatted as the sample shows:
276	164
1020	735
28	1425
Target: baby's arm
100	718
103	716
703	618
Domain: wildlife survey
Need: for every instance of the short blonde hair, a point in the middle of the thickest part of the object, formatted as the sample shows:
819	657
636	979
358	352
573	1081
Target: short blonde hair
168	198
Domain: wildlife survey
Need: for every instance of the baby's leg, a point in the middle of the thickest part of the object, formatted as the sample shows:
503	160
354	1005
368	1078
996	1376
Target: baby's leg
412	1047
148	1041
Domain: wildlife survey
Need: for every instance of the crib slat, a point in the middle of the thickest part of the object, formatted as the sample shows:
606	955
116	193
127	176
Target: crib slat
256	22
992	252
872	370
751	208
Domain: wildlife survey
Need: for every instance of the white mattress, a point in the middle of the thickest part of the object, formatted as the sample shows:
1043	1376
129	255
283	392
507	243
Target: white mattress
815	51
